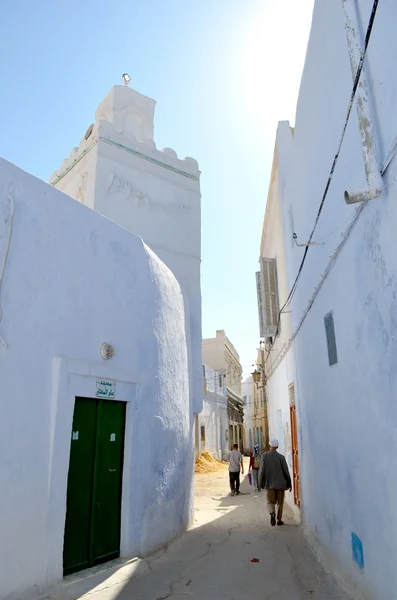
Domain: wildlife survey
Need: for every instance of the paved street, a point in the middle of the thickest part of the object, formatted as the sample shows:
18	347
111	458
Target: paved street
212	561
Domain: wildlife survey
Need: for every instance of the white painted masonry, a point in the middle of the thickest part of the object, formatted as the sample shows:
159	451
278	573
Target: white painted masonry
348	411
248	395
118	172
213	417
220	354
273	246
74	280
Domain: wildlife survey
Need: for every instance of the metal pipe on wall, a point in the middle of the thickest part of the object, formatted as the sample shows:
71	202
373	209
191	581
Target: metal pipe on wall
364	113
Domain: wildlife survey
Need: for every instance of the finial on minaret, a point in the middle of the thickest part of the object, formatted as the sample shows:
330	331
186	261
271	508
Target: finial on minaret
126	79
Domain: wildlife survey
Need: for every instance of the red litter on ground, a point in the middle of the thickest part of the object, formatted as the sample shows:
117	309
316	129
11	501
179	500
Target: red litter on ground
254	560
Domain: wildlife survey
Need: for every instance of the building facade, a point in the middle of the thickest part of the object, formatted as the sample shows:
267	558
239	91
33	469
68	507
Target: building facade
275	326
118	171
338	207
248	394
94	363
256	428
220	354
212	423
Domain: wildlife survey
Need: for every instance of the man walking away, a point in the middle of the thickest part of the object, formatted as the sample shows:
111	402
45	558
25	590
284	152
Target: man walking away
255	463
235	462
274	477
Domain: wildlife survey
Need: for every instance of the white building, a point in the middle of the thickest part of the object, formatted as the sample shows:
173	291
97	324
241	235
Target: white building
344	304
275	327
73	280
220	354
212	422
248	395
117	171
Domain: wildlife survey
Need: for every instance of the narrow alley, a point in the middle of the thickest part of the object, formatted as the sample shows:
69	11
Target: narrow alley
212	561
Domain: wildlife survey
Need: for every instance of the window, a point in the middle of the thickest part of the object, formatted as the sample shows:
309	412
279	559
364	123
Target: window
331	341
202	433
245	400
220	381
267	292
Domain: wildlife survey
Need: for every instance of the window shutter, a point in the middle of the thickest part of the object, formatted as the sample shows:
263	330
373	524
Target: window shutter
261	303
269	297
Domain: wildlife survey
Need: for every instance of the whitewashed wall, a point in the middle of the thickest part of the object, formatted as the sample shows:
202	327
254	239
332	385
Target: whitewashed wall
214	418
248	395
119	172
273	245
222	356
348	412
72	281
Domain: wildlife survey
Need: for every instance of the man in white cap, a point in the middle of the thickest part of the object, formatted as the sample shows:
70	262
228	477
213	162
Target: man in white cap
274	477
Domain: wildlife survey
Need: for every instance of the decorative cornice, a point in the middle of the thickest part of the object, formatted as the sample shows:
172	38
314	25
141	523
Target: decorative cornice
73	164
149	158
104	131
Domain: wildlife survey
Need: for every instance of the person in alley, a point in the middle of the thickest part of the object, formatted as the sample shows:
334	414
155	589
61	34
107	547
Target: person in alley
235	464
275	478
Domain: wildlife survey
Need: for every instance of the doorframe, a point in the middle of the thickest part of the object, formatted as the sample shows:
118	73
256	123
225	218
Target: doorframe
73	379
294	432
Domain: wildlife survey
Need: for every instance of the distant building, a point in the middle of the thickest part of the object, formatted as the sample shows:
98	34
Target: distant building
248	393
220	354
275	328
212	423
255	412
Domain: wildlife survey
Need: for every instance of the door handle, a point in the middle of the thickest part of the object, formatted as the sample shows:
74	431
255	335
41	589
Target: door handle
112	470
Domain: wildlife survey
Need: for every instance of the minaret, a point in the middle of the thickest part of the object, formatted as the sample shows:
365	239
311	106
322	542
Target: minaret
118	171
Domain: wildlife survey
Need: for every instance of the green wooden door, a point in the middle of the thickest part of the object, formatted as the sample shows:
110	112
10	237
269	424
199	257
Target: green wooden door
92	528
107	481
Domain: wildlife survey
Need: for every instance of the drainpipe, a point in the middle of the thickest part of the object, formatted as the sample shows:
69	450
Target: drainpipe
365	116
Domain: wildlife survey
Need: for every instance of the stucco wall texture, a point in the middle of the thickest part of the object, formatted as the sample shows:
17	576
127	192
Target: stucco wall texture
74	280
348	412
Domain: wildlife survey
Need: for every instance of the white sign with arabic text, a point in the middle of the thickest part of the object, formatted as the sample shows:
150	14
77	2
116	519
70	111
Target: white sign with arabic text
105	388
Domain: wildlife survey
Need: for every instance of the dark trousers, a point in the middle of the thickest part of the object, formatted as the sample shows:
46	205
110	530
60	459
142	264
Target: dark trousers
234	478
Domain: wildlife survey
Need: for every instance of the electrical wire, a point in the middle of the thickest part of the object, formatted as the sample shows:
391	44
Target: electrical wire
336	157
389	158
287	345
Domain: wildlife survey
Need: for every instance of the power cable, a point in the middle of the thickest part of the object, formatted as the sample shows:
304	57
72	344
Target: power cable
334	162
287	345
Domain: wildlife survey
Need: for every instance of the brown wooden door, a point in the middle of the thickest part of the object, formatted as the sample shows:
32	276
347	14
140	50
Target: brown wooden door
295	452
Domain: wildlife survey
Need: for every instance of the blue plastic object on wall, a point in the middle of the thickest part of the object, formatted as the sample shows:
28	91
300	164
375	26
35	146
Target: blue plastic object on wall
357	551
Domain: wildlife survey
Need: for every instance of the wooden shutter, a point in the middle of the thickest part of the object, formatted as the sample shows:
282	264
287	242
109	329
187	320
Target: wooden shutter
261	303
269	298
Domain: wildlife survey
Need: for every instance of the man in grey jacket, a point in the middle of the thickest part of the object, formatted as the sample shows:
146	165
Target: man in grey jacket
274	477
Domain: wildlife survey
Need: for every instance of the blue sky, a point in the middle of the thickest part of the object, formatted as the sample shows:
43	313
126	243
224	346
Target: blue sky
223	73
